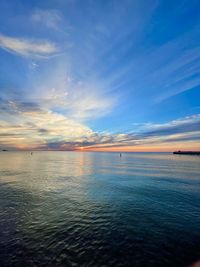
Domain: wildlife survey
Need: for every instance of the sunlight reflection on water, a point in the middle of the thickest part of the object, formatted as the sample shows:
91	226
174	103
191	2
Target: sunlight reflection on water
97	209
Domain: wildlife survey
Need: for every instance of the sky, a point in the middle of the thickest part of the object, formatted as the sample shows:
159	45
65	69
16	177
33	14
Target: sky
100	75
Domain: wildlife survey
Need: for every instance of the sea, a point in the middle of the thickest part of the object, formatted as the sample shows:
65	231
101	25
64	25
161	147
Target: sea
99	209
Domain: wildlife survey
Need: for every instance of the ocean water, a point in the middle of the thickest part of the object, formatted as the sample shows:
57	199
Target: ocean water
97	209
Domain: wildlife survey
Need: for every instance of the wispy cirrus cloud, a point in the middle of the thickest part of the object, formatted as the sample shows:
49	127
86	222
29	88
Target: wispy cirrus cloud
182	125
51	18
82	104
28	47
79	99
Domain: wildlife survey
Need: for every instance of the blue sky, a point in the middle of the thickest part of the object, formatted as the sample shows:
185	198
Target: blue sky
100	74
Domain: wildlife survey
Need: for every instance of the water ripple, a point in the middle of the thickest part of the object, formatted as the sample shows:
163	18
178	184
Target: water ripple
97	209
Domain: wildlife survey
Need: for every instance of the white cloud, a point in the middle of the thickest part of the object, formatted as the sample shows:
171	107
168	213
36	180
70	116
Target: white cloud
39	128
179	122
82	104
48	17
89	102
78	99
179	88
33	65
27	126
28	47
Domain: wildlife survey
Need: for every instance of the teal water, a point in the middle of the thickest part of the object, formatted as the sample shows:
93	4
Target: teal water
97	209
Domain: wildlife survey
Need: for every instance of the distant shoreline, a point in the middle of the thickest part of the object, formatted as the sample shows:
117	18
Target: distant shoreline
187	152
117	152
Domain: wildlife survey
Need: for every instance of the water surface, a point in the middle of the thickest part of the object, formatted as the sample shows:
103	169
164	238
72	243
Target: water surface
97	209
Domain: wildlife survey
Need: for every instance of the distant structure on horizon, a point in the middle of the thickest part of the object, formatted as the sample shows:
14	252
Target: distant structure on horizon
187	152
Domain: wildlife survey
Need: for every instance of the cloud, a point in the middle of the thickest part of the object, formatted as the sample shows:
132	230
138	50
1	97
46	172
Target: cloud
79	99
33	66
178	72
25	125
187	124
89	103
28	126
179	88
49	17
178	131
28	47
18	107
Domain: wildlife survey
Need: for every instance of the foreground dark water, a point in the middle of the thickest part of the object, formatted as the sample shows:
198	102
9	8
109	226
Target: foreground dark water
97	209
